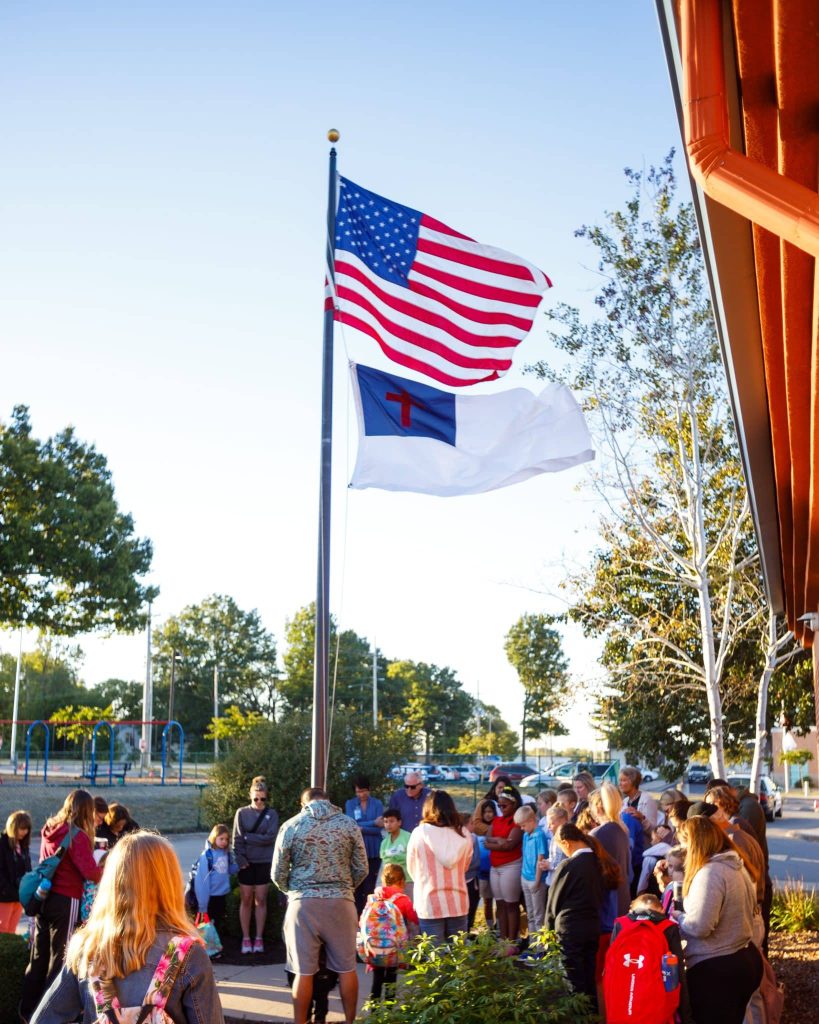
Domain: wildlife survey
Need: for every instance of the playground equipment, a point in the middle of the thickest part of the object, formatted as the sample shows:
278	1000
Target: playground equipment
168	726
47	745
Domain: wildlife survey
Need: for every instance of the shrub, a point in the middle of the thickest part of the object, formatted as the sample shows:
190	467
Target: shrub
470	981
275	914
281	752
13	961
795	908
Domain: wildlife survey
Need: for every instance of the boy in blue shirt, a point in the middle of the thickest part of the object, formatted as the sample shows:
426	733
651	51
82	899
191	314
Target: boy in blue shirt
531	871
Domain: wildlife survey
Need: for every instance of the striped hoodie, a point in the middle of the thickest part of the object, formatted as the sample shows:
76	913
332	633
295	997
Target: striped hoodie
437	859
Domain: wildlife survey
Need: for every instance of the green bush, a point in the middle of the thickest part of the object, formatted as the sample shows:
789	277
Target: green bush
281	752
795	908
13	961
275	914
470	980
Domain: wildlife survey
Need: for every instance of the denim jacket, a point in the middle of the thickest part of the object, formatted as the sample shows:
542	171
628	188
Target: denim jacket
193	998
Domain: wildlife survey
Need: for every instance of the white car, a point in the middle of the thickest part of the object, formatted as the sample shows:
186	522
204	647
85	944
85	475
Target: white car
770	795
445	772
468	773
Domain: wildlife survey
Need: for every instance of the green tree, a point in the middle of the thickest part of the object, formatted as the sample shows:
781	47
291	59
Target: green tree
535	651
351	671
281	752
233	725
214	634
437	708
69	560
78	725
124	696
674	588
486	733
49	679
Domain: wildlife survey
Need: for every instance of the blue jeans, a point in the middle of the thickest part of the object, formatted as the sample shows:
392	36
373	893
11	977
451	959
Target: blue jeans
442	928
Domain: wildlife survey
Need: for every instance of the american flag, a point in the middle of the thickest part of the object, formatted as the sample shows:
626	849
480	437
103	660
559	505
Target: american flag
435	300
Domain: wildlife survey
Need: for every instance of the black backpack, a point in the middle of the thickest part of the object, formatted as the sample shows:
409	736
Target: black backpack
191	902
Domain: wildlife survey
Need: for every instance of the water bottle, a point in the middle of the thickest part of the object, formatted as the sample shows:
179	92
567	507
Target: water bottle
671	971
677	895
43	889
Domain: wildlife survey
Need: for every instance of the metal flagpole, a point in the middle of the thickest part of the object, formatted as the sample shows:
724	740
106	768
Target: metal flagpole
321	666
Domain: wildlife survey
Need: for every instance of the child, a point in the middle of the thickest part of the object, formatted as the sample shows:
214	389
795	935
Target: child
482	820
567	799
647	908
394	883
556	817
535	851
394	845
324	981
546	798
212	881
667	872
659	848
471	873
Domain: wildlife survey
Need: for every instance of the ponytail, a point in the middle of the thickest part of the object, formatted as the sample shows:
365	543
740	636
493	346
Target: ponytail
610	872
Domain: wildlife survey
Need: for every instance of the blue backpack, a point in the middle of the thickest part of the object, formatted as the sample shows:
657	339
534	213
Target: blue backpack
191	902
30	882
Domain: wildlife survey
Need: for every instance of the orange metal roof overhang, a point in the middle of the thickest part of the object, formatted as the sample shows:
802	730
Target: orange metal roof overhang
745	76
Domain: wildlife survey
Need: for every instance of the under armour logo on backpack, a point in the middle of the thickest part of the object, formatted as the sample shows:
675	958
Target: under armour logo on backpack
628	960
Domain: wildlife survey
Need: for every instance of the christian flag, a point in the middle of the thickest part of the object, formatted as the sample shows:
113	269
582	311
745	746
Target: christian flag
435	300
413	437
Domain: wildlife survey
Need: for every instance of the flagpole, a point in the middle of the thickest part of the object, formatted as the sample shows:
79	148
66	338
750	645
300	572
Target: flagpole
321	666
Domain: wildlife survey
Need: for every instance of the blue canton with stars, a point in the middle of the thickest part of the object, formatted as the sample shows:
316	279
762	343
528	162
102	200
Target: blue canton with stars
381	233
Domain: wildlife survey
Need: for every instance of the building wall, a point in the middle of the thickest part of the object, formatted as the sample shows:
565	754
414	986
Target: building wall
810	741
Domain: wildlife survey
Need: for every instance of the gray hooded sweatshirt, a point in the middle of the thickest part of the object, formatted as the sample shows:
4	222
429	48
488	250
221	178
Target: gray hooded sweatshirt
719	910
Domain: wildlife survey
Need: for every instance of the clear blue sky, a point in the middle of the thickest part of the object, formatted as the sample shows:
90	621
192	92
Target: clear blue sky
162	205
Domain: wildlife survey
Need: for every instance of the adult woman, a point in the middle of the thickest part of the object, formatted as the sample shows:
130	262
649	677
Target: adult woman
583	784
59	914
15	861
724	967
368	813
612	834
505	853
495	790
116	823
138	924
668	798
438	854
254	835
575	898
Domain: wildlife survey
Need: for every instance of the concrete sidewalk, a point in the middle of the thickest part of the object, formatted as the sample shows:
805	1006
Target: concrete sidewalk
261	993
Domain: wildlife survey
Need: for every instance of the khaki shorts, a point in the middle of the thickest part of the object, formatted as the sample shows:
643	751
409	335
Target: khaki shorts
506	881
310	922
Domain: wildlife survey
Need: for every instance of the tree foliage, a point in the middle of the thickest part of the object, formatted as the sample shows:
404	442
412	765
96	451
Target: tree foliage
69	560
486	733
534	649
674	589
281	752
215	633
437	708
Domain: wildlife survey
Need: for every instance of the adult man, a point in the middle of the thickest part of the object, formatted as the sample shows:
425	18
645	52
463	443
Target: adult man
642	805
409	801
318	861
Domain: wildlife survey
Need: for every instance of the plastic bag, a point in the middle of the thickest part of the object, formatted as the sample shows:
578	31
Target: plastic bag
209	935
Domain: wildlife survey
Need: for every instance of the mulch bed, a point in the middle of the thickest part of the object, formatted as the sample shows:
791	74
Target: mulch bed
795	958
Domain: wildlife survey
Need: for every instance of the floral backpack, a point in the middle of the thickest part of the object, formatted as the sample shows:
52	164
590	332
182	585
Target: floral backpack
382	933
152	1010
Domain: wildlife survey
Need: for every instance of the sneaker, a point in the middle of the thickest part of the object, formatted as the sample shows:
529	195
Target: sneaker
247	946
258	946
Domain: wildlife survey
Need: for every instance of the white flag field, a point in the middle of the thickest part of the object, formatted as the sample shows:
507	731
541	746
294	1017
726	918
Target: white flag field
413	437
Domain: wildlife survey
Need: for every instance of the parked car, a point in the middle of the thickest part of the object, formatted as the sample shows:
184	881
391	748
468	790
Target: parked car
700	774
399	771
603	771
446	772
516	770
770	795
469	773
650	774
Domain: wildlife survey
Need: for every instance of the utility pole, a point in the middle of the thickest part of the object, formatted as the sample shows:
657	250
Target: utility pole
147	701
173	685
375	686
16	710
215	708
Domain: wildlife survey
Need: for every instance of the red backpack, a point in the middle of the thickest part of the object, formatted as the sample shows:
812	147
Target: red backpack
641	982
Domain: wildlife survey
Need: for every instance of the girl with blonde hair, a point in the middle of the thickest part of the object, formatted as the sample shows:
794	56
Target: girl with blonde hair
212	880
72	829
15	861
137	926
719	899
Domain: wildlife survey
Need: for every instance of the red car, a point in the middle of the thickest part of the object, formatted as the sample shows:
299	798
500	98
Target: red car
516	770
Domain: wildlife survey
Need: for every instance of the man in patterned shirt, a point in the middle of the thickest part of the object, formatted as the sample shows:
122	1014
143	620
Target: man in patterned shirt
318	861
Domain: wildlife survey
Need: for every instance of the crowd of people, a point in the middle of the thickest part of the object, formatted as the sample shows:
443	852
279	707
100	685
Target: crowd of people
596	864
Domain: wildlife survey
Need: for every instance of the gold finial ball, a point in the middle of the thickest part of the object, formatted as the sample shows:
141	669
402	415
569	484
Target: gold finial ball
333	135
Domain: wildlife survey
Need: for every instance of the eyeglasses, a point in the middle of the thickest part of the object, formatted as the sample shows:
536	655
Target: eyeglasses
259	799
412	785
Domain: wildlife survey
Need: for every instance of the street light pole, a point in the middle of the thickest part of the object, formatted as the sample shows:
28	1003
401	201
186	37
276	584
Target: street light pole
215	709
147	700
16	710
375	686
173	685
